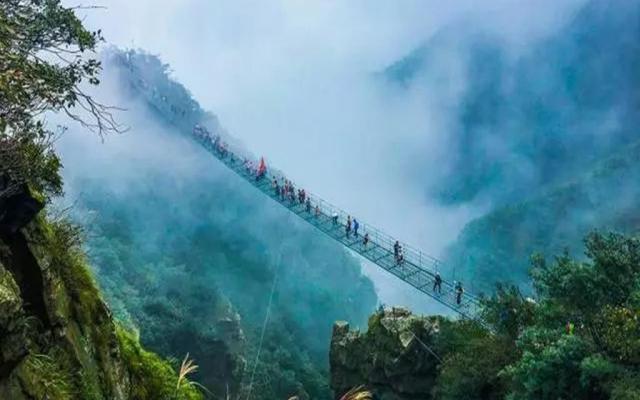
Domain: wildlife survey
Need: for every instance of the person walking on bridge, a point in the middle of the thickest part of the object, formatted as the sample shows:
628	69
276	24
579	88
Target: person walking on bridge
356	226
308	205
302	195
347	227
262	169
459	292
396	250
292	193
365	241
437	283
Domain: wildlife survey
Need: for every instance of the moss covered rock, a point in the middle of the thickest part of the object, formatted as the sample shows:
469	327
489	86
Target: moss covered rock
394	358
57	337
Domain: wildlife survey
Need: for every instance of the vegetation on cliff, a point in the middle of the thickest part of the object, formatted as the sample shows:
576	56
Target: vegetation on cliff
579	337
57	337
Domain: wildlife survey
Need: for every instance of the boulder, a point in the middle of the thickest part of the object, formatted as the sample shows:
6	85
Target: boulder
393	358
18	207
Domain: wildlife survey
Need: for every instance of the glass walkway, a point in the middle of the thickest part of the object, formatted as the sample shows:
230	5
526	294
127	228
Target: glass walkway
416	268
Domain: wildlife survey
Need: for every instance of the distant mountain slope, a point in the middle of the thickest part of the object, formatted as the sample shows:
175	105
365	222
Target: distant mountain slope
497	246
528	123
188	253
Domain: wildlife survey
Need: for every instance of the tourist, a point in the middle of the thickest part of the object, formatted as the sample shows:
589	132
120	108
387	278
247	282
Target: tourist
459	292
437	283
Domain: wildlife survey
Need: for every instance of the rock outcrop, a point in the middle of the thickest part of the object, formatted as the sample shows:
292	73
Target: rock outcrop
394	358
57	337
18	205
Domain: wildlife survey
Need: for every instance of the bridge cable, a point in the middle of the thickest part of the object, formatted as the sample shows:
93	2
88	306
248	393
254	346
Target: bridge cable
429	349
264	324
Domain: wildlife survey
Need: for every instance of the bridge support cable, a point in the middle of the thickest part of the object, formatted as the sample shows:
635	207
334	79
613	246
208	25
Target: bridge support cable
417	268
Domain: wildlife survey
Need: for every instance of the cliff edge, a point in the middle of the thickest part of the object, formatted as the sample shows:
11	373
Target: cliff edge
57	337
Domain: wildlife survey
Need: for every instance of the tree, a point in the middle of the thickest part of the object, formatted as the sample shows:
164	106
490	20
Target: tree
600	359
43	65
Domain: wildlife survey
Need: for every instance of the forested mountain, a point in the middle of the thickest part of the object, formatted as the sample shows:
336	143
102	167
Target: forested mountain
497	246
188	253
548	136
540	117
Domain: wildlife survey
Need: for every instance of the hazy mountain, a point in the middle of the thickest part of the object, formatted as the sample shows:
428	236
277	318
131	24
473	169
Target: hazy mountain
188	252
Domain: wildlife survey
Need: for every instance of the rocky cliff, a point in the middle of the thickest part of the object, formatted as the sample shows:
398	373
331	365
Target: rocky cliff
57	337
394	358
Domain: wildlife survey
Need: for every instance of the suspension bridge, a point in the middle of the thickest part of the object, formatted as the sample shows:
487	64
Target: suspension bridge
415	268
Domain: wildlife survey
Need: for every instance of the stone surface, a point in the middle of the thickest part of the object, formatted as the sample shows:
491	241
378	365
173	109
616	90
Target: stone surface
68	348
392	358
18	208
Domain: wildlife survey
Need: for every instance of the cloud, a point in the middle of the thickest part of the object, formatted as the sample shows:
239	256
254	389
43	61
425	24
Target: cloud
294	80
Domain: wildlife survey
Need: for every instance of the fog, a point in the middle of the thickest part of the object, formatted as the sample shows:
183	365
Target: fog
297	82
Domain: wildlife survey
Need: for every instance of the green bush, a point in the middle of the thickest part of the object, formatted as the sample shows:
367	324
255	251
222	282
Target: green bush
152	378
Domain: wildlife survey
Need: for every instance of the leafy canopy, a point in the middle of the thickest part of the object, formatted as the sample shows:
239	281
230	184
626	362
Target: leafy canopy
580	338
43	65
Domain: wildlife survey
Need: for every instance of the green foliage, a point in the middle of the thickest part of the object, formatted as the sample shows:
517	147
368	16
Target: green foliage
620	332
472	360
508	311
599	299
152	378
610	280
471	371
31	82
43	62
531	354
626	387
48	376
62	241
549	371
84	368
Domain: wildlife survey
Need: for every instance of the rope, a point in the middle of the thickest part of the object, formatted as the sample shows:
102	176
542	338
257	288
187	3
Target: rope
429	349
264	326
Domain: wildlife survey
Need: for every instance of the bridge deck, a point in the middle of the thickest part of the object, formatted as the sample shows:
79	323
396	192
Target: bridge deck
417	269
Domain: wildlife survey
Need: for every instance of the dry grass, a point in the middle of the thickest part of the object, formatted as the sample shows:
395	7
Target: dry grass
358	393
187	368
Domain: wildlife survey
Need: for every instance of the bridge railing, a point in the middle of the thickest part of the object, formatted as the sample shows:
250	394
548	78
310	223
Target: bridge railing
418	261
426	264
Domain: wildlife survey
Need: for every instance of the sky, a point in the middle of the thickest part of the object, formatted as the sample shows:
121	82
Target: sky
295	81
